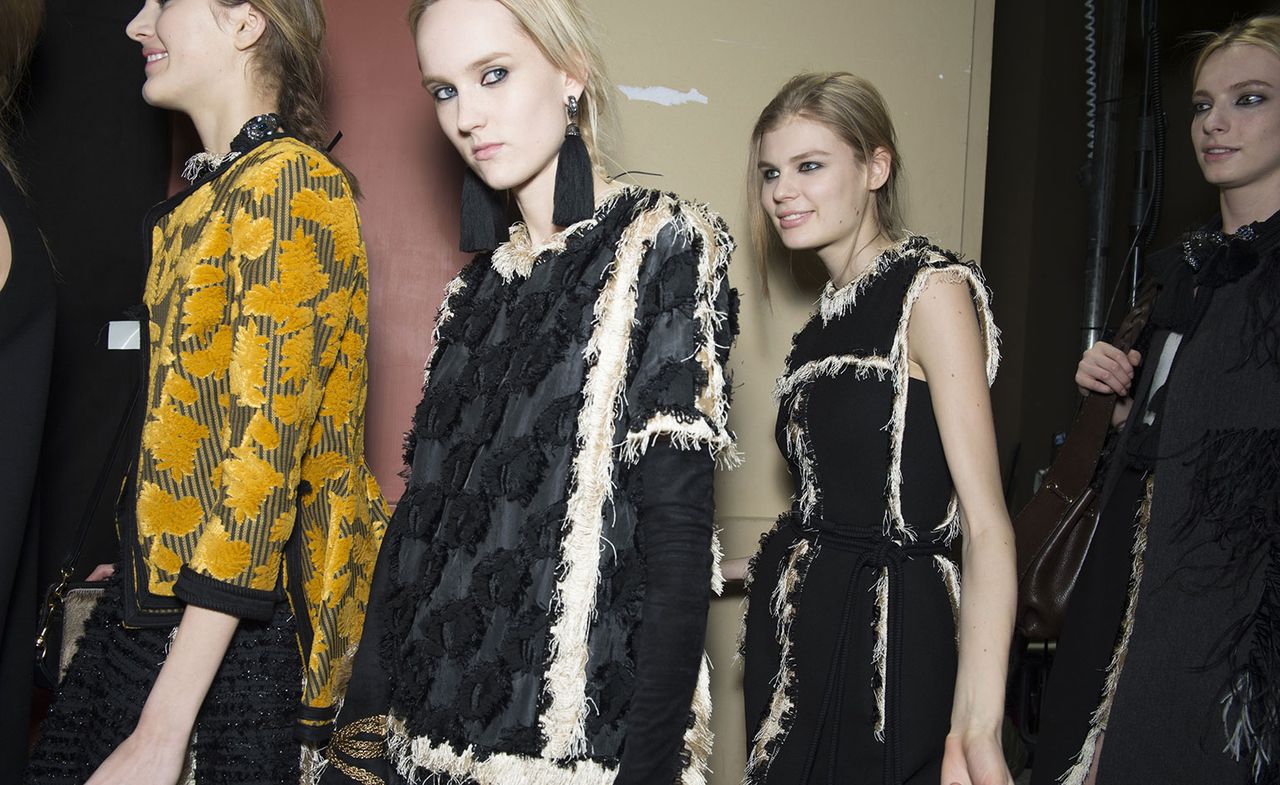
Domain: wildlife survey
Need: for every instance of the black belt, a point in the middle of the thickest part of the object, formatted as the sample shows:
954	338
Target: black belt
875	550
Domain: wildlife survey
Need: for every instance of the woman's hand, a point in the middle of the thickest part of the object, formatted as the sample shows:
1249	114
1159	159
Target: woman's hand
101	572
1106	369
144	758
974	759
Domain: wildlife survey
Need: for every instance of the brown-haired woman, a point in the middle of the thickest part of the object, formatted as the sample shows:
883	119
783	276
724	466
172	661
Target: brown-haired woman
857	637
1168	668
248	521
26	349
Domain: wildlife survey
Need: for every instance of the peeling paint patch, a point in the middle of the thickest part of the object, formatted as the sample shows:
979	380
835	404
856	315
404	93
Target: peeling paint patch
665	96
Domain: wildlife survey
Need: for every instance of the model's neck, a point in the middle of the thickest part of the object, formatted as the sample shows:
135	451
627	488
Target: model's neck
1246	204
849	257
218	124
536	201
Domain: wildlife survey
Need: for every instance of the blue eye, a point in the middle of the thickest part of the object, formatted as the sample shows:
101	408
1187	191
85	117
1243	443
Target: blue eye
493	76
809	166
443	92
1200	107
769	174
1250	99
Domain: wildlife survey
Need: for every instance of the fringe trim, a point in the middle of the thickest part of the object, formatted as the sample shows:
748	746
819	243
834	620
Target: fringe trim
683	436
518	255
797	446
422	762
699	736
445	313
1098	722
951	272
777	724
880	652
312	764
951	579
835	303
863	367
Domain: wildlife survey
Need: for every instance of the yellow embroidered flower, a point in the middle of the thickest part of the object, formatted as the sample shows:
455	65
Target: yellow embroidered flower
248	480
164	558
264	178
334	308
323	467
249	366
205	275
203	310
282	527
263	432
214	242
251	237
218	555
178	388
295	356
360	306
338	215
339	396
213	358
160	513
172	439
286	408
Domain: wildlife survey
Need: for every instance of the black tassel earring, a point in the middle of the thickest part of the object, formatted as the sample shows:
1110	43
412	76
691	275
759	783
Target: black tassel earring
483	216
575	185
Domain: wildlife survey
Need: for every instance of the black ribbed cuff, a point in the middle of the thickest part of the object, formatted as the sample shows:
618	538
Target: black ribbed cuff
315	725
205	592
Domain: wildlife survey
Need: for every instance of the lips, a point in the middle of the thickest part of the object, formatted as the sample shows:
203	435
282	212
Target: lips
485	151
153	56
1218	152
793	218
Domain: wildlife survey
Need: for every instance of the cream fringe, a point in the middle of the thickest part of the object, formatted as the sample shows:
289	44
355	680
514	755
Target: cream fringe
1098	722
443	315
778	721
880	651
951	578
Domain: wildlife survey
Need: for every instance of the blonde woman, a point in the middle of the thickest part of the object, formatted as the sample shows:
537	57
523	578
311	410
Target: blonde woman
249	521
1166	670
864	661
539	609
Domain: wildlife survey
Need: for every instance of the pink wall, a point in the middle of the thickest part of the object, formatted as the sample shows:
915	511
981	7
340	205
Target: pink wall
411	180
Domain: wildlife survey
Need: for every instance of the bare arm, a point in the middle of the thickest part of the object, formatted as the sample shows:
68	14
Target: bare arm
947	346
154	753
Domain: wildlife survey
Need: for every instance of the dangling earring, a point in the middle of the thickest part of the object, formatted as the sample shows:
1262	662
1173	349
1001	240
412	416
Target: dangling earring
483	216
575	187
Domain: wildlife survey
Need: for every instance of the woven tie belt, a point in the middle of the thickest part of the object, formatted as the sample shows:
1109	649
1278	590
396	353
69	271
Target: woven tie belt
873	550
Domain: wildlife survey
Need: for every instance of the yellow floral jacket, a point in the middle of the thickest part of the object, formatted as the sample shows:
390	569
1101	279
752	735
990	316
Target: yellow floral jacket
251	487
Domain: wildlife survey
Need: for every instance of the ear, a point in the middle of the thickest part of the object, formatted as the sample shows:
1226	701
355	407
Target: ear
574	86
878	168
248	25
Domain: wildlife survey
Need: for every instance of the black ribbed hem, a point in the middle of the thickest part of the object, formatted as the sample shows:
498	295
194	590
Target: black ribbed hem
205	592
315	725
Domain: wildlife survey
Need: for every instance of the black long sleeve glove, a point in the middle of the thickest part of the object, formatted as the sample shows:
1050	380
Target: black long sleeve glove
676	510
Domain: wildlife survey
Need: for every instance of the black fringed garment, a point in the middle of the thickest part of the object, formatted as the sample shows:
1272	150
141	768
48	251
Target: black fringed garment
1192	693
500	645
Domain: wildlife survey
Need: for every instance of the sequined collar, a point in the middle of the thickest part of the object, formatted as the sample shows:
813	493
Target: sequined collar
259	129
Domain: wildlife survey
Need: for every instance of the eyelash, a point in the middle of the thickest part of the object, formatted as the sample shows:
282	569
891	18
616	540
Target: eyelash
1200	108
502	73
772	174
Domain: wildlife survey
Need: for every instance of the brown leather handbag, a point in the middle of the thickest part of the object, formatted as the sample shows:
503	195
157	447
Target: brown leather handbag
1055	529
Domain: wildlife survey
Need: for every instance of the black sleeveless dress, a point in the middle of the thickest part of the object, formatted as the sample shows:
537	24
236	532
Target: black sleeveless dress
850	639
26	353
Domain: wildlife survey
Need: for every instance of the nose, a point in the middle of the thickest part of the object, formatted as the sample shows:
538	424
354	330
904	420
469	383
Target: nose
142	26
1215	121
471	113
784	189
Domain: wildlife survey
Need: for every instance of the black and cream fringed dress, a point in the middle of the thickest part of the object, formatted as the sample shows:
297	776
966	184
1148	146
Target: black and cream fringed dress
850	639
529	625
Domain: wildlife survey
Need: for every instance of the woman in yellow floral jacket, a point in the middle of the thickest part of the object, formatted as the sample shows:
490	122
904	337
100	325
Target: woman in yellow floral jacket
249	522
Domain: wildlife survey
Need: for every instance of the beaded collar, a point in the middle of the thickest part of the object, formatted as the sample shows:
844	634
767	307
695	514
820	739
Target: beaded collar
258	129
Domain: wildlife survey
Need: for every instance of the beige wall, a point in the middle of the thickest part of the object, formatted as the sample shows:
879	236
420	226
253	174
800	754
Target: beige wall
931	58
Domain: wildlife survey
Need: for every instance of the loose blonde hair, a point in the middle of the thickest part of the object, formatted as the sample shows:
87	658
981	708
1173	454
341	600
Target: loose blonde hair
1262	31
20	22
856	112
566	36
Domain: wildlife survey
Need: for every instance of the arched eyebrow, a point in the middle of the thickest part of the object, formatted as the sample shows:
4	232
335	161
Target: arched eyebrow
800	157
1237	86
475	66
